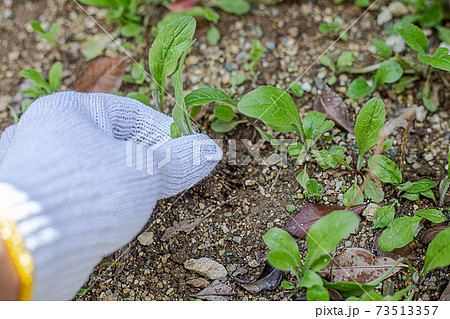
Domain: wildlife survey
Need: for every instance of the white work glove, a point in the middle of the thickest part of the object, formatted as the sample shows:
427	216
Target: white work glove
78	177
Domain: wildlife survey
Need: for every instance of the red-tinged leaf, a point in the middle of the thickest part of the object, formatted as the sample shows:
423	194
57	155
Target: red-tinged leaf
102	76
429	234
269	279
218	290
394	254
446	294
334	107
182	5
357	265
311	213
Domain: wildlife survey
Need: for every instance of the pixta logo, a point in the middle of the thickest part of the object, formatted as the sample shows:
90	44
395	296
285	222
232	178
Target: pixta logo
147	158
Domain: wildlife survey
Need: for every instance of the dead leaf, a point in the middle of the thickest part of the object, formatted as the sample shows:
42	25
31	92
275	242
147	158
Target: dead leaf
198	283
269	279
311	213
334	107
445	294
394	254
187	226
182	5
357	265
429	234
334	295
218	290
102	76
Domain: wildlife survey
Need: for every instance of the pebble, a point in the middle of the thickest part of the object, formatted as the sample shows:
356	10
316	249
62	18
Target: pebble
270	45
397	8
421	113
240	271
206	267
428	157
318	83
253	263
396	43
384	16
348	244
146	238
237	239
388	288
306	87
240	56
231	268
393	153
250	182
369	212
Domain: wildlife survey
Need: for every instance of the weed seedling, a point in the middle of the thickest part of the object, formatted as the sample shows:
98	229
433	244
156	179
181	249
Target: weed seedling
42	87
445	183
47	35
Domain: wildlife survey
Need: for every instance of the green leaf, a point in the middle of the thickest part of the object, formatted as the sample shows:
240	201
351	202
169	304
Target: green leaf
224	113
25	104
359	88
37	26
313	186
417	187
238	79
140	97
431	17
36	91
388	72
95	46
35	76
213	35
281	260
314	126
351	193
207	95
438	252
211	15
257	51
385	169
296	89
238	7
439	60
376	194
444	33
383	49
274	107
99	3
131	30
387	144
384	216
310	279
317	293
53	29
399	233
326	60
325	234
324	27
433	215
401	85
54	76
287	285
302	178
221	126
115	13
413	36
345	59
174	131
362	3
280	240
290	208
14	114
369	123
173	40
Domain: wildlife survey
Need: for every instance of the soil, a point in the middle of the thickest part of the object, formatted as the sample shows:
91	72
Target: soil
247	199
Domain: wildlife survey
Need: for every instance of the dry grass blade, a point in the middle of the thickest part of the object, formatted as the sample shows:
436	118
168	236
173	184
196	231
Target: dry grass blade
103	75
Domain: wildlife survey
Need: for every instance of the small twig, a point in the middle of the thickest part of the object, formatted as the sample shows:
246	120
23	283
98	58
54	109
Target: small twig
405	138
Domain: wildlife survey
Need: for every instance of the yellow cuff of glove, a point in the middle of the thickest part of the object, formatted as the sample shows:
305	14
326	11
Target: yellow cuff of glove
21	259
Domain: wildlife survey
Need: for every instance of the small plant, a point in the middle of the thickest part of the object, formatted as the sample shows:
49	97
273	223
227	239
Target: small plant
323	237
445	183
310	184
42	87
335	27
49	35
343	63
255	55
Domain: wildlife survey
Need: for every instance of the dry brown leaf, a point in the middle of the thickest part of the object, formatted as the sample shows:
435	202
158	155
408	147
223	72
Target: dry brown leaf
445	294
102	76
334	107
198	283
429	234
357	265
185	225
218	290
269	279
311	213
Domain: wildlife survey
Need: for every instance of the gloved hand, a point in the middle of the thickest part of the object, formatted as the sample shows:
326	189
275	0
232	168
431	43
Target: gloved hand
80	175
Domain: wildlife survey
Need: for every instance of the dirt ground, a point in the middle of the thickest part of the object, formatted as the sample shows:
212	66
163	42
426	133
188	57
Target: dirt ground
246	199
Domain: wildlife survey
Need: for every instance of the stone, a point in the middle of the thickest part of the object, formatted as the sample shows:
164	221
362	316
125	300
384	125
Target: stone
250	182
398	8
369	212
421	113
307	87
270	45
384	16
146	238
253	263
428	157
240	271
396	43
206	267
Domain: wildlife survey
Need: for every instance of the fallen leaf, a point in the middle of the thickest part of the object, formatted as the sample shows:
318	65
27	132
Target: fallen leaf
102	76
198	282
334	295
182	5
445	294
396	253
218	290
334	107
311	213
185	225
95	46
429	234
269	279
357	265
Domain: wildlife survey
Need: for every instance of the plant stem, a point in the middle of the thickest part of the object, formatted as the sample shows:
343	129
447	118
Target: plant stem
359	163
